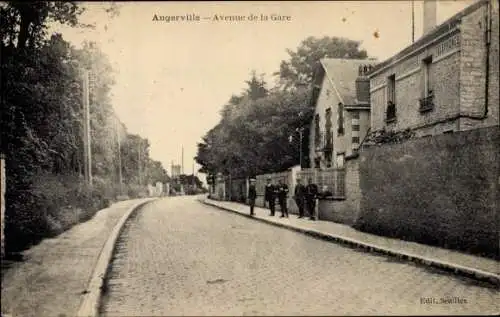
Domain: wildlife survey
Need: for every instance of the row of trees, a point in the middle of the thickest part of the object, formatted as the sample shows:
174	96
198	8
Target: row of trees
42	125
259	129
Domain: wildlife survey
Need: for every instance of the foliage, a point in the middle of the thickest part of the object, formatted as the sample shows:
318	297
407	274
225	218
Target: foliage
298	71
259	129
383	136
41	119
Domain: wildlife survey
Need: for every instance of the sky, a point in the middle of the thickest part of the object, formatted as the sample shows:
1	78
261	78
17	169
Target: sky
172	78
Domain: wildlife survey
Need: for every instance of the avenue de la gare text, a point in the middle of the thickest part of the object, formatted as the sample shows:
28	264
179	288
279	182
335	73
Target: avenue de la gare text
221	17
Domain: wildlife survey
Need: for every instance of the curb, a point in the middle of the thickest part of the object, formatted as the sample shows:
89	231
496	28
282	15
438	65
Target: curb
476	274
90	303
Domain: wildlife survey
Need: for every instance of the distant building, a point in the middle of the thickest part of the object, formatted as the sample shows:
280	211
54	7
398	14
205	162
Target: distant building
448	80
341	99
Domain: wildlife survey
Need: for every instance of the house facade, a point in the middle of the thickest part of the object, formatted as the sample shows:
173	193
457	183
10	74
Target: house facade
446	81
341	100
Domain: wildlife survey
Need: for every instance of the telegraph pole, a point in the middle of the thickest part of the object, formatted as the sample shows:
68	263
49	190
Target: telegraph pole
301	133
182	160
120	177
412	21
86	129
139	161
194	183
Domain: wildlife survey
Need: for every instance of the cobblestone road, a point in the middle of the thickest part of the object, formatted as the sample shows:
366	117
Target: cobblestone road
179	257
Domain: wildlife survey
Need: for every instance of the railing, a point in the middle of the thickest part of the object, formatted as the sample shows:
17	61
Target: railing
261	181
331	182
391	112
427	103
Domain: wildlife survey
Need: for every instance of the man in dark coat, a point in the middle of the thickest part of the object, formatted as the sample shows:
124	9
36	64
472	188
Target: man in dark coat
300	197
269	196
252	195
311	195
282	198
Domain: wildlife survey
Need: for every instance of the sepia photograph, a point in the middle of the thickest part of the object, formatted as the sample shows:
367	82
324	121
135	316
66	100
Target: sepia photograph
250	158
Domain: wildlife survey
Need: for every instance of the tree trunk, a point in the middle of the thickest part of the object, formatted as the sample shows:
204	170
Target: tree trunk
23	31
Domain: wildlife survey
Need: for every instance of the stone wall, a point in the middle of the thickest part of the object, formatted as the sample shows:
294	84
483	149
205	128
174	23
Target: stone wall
441	190
345	210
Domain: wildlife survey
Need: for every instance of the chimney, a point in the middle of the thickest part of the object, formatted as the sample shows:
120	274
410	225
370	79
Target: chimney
430	13
363	84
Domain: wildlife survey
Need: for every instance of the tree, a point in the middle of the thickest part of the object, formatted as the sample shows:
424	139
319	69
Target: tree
298	70
256	87
258	130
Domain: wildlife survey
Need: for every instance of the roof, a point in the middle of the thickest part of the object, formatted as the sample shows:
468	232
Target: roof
439	30
342	73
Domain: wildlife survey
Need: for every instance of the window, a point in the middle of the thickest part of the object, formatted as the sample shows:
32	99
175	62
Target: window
355	114
355	139
391	88
391	112
328	159
355	127
317	136
340	160
340	115
427	77
427	100
317	162
391	98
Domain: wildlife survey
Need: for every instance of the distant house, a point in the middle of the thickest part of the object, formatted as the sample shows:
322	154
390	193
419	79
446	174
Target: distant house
341	98
446	81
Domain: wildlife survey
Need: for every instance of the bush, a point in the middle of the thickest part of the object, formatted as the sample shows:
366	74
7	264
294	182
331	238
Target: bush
51	205
135	191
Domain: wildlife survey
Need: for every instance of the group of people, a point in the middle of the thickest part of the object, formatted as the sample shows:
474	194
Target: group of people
304	196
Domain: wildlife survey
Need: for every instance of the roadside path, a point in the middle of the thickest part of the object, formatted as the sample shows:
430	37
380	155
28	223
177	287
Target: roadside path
54	275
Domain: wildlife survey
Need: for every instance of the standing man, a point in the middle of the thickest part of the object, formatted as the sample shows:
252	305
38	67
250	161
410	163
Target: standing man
300	197
282	197
252	195
269	195
311	195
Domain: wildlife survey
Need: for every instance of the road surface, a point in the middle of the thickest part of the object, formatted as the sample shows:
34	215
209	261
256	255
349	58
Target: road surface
177	256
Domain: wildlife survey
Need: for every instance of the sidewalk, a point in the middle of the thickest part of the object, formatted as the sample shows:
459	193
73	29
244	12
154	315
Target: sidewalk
461	263
55	274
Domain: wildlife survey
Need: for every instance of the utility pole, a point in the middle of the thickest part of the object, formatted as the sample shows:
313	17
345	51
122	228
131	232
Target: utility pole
120	177
412	21
139	161
182	160
193	182
87	153
301	132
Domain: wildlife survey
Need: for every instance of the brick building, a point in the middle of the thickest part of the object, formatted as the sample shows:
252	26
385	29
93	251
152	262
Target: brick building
342	110
446	81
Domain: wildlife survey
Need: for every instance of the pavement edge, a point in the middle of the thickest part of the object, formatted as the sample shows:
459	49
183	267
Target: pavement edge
89	306
476	274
